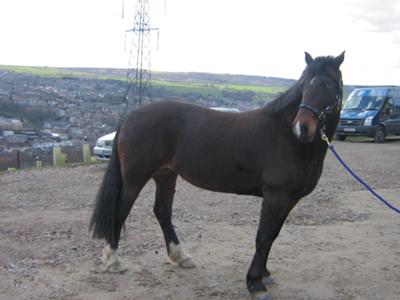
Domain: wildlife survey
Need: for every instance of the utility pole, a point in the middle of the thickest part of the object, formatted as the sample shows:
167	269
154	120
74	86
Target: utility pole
139	72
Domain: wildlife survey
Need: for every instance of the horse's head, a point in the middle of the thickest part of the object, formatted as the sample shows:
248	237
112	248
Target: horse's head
321	85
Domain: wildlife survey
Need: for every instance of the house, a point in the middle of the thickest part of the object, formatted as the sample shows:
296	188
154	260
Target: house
10	124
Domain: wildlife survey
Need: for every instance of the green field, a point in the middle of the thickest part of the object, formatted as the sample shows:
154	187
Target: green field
46	72
200	87
177	87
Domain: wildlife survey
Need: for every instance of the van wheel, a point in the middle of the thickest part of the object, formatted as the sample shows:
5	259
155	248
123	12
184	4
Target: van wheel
380	135
340	137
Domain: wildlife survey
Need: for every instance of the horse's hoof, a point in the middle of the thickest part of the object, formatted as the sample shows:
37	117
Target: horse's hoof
180	257
187	263
261	296
115	268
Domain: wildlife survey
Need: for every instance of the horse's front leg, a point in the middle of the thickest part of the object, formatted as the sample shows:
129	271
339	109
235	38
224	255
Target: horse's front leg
275	208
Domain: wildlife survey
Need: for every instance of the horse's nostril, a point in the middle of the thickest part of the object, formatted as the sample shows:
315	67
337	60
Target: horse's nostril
301	131
304	130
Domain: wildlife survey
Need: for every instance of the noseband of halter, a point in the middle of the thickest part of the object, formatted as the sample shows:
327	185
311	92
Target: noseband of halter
322	114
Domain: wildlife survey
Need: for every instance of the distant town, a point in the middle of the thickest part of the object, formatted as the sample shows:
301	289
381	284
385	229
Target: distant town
42	107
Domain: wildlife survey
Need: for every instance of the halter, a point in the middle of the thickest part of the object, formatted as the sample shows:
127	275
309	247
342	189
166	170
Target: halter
322	114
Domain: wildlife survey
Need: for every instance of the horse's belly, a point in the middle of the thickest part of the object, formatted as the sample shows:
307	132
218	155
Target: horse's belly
223	180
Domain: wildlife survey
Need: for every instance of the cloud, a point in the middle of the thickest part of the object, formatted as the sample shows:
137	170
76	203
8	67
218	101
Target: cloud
378	16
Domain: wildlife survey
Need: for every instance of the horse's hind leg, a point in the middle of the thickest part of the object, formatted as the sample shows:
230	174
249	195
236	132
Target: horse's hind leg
127	199
165	190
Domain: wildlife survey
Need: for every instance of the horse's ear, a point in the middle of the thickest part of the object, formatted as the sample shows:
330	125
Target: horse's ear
309	58
339	59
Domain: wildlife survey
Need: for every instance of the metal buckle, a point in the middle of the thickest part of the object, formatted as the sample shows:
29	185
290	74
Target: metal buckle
325	138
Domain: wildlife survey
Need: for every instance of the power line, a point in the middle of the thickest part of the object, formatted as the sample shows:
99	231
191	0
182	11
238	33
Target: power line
139	74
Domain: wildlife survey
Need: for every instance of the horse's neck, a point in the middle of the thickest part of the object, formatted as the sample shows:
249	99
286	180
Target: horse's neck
286	105
285	108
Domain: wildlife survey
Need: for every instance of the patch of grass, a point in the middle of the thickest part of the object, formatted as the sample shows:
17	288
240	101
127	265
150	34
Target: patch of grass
255	88
184	87
216	89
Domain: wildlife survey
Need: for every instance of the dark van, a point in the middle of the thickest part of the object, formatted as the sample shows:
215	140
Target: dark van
373	112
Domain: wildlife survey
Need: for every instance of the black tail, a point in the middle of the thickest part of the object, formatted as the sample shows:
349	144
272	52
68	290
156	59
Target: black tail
107	200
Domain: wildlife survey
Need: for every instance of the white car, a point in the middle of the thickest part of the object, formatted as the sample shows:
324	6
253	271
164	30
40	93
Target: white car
103	147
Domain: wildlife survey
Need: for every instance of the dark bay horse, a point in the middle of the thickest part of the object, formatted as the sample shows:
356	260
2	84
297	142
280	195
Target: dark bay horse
274	152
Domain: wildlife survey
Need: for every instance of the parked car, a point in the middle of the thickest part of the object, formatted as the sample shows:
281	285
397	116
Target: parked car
103	148
372	111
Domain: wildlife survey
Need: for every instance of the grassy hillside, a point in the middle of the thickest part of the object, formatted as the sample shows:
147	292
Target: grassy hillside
46	72
216	89
212	87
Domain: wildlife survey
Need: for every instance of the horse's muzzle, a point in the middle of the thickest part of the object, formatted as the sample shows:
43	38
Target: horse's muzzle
305	126
302	132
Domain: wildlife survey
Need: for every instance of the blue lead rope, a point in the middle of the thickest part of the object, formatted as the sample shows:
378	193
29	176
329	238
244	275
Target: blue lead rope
360	180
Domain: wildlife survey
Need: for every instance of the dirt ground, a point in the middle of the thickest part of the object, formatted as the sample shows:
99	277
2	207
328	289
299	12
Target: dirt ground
338	243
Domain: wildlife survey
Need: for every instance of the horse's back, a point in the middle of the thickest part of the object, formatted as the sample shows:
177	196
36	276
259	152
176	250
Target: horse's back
177	118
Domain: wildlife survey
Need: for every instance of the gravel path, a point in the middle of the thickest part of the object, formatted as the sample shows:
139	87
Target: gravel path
338	243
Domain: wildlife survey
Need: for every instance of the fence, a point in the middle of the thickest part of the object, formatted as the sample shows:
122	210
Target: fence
28	158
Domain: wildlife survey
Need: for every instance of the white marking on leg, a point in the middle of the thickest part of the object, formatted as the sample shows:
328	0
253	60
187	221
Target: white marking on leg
109	255
110	258
177	255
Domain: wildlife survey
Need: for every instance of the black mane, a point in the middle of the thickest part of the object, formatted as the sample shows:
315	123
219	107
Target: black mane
290	97
293	95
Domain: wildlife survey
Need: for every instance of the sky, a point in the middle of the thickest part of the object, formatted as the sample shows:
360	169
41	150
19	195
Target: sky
264	37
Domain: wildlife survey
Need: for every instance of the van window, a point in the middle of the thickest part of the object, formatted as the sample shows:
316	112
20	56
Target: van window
394	93
388	106
366	99
396	104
